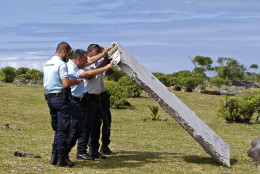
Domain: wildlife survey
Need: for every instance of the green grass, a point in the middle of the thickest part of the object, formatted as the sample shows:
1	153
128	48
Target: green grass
141	145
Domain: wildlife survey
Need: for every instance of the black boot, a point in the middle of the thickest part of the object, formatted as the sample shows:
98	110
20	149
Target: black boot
84	156
54	158
106	150
69	163
96	154
61	161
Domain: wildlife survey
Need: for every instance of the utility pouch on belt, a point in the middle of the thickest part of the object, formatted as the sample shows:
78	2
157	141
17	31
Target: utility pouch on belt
85	97
66	93
107	93
46	96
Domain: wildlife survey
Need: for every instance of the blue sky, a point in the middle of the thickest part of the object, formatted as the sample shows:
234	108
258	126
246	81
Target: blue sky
162	35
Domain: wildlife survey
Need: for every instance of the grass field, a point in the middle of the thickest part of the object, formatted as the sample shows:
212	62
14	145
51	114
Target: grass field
141	145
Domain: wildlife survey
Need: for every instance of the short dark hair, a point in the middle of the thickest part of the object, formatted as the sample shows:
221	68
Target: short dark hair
93	46
78	53
61	46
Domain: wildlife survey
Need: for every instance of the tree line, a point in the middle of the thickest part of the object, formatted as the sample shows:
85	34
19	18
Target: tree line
228	69
121	86
10	74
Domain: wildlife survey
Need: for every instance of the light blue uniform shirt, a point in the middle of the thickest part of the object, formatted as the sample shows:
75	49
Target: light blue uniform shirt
74	72
54	70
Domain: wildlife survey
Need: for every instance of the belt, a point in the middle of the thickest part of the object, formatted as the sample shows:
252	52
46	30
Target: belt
94	96
76	98
51	95
97	96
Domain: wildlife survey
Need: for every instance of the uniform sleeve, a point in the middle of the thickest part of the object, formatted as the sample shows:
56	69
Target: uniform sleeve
63	70
78	73
90	67
98	63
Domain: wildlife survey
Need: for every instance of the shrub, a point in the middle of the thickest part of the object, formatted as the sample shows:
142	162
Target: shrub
173	81
257	78
7	74
133	90
217	81
34	74
189	82
118	94
257	105
164	80
247	107
158	74
238	110
22	77
21	70
116	74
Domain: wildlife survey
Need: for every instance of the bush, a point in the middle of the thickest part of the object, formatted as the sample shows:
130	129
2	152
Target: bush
257	78
164	80
238	110
257	105
34	74
7	74
116	74
167	80
118	94
189	82
21	70
217	81
22	77
133	90
158	74
247	107
173	81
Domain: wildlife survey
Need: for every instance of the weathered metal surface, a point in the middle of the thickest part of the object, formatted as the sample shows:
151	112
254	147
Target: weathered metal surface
202	133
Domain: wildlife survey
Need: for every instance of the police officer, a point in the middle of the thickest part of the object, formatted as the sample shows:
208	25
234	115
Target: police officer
75	70
94	90
57	86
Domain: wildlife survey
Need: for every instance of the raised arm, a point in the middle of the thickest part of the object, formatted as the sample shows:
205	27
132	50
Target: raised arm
91	73
96	58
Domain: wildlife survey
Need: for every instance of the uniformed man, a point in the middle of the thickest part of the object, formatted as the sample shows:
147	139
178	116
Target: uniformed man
76	70
57	85
94	92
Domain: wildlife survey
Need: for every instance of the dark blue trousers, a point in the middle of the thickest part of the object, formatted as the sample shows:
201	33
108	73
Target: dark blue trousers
75	123
60	122
104	117
90	111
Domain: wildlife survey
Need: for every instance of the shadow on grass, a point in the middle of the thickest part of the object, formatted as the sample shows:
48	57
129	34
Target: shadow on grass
128	159
205	160
123	107
133	159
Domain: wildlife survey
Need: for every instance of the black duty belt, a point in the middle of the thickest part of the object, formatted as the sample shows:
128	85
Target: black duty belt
61	94
76	98
95	96
51	95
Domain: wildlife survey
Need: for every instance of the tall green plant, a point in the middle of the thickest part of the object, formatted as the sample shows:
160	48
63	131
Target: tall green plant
155	111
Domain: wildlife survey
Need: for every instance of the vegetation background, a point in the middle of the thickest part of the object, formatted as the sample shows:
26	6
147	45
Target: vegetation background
141	144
